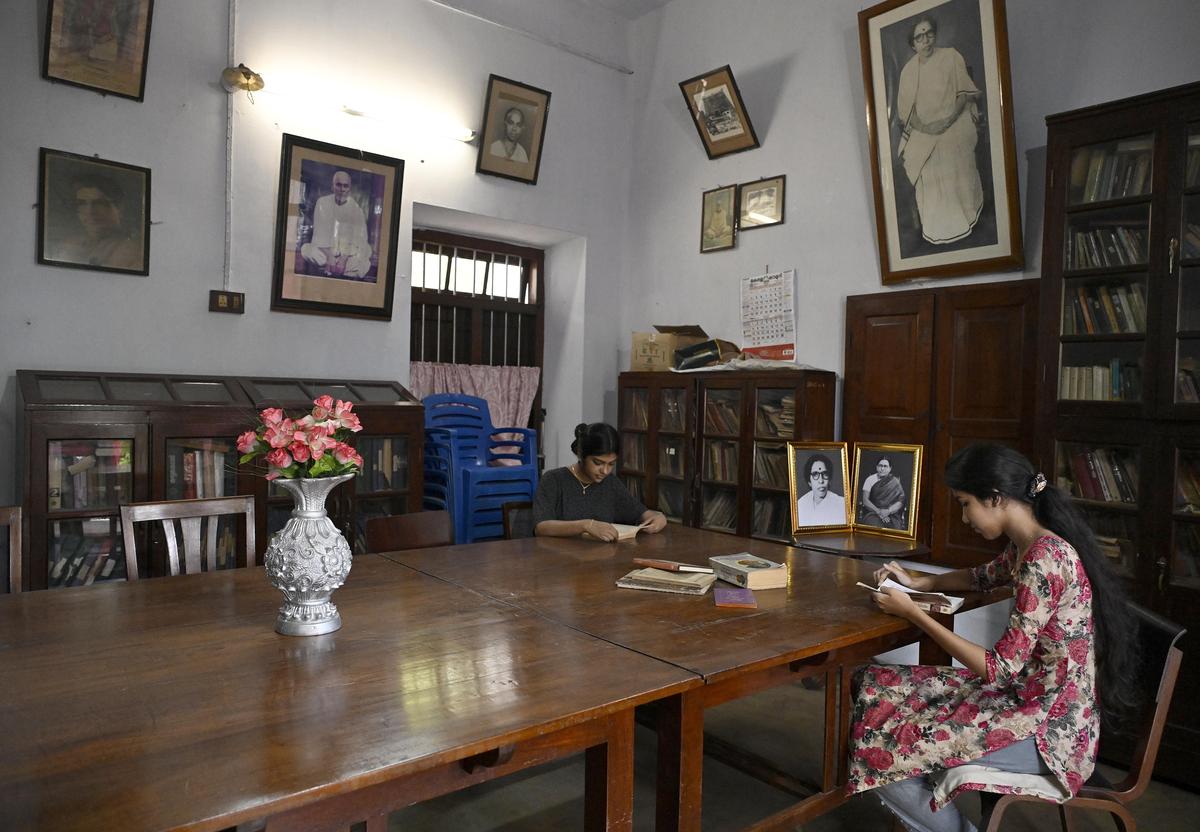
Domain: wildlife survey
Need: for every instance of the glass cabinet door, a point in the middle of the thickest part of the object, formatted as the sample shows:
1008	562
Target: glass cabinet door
381	486
1187	346
719	450
771	513
1105	480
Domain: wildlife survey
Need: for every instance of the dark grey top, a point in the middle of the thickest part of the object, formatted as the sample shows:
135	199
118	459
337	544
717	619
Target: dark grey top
560	496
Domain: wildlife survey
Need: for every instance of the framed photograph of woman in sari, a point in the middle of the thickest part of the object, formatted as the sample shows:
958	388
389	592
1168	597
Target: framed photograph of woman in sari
887	483
940	130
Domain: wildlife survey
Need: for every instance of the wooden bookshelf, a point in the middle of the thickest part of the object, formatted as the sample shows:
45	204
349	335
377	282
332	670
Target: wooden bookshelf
715	443
90	442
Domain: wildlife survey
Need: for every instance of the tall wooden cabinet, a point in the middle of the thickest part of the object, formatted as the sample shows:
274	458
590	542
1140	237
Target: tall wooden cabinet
709	449
90	442
943	367
1119	406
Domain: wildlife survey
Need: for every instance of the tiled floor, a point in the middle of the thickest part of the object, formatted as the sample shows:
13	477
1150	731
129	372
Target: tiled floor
781	725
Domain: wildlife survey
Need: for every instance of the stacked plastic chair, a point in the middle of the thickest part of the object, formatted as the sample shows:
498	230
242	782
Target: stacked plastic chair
472	468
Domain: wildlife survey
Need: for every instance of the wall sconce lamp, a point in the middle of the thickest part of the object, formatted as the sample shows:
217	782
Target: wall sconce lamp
241	77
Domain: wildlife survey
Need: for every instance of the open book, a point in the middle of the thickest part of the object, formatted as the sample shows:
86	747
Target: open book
624	531
657	580
928	601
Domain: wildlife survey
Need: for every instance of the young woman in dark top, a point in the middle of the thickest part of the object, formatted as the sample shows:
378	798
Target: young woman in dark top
585	497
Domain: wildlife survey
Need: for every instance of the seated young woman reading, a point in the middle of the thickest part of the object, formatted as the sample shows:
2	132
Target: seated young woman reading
585	497
1028	708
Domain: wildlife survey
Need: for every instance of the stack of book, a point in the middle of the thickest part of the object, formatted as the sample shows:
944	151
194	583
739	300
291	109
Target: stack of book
660	580
1105	309
770	465
1105	474
721	415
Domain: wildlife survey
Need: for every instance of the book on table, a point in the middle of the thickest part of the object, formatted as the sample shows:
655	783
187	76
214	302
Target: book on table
750	571
734	596
658	580
624	531
928	601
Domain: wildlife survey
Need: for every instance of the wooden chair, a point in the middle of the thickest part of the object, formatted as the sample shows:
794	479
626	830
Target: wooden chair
11	516
194	521
1156	637
409	531
518	519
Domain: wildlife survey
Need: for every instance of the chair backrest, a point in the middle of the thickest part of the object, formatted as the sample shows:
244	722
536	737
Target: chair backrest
11	516
195	522
518	519
409	531
1160	659
457	411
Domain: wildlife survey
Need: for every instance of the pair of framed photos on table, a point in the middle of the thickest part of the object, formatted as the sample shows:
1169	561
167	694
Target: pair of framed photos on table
880	498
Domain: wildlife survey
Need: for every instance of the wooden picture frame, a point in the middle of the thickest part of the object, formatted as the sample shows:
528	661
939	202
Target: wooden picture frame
92	213
99	46
761	203
923	227
720	116
813	510
887	488
718	219
331	259
514	128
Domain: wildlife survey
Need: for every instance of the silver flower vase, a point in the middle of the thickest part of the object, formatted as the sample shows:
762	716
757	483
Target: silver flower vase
308	559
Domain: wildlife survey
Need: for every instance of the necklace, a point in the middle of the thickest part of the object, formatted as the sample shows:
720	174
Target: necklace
574	469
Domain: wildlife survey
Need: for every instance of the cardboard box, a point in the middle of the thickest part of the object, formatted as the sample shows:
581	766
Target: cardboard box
705	354
655	351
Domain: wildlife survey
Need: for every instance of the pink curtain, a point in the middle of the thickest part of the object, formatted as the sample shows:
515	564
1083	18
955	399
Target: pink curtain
509	390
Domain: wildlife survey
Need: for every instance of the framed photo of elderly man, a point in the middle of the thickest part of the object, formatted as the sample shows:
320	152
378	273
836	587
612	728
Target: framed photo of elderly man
514	127
337	228
887	484
92	213
715	102
99	45
818	476
940	131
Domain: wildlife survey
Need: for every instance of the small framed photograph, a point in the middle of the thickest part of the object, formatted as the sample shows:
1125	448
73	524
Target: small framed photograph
718	222
93	213
715	102
337	229
887	486
818	476
514	126
761	203
940	132
99	46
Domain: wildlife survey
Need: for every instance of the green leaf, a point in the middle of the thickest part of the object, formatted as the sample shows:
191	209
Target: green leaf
247	457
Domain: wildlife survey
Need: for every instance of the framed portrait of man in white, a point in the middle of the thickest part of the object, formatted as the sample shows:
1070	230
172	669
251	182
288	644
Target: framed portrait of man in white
514	127
940	132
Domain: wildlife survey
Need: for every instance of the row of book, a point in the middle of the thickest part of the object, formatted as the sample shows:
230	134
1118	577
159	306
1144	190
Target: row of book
635	409
778	417
770	466
633	452
1105	309
89	474
637	487
1107	246
771	517
385	464
670	499
200	469
721	415
1117	382
1104	474
1187	484
1191	240
670	459
1111	172
720	509
721	460
83	559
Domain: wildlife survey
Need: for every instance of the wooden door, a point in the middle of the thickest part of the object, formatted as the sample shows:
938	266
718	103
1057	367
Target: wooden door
985	355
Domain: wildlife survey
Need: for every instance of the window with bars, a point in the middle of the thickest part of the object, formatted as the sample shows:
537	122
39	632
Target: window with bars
475	301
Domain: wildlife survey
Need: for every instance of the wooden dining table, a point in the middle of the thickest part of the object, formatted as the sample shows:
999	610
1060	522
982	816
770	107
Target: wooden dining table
820	625
170	703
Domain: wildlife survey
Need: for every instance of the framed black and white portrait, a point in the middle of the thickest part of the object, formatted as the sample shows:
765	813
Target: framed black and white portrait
100	45
93	213
817	486
760	203
514	127
715	102
887	483
718	219
940	131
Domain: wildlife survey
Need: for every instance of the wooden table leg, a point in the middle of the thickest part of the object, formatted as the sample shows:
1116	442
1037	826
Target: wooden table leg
680	763
608	778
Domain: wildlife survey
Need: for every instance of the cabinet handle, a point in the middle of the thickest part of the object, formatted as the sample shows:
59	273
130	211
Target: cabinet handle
1172	249
1161	563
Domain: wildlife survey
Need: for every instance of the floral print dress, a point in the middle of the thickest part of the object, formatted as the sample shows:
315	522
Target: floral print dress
1041	682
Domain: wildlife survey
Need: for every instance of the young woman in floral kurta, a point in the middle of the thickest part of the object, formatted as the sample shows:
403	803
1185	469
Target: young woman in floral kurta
1035	689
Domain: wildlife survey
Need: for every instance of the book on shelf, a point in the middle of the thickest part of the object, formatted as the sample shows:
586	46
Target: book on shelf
658	580
734	596
928	601
624	531
750	571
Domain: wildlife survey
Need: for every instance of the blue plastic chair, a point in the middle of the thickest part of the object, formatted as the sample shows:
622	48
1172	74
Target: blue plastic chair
465	468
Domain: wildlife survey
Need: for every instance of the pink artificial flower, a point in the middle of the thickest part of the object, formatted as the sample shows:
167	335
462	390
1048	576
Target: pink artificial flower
323	406
320	439
280	435
305	421
279	458
344	418
271	416
343	453
247	441
299	451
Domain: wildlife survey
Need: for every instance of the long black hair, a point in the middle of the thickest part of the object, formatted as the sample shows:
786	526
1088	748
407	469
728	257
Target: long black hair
989	472
595	439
